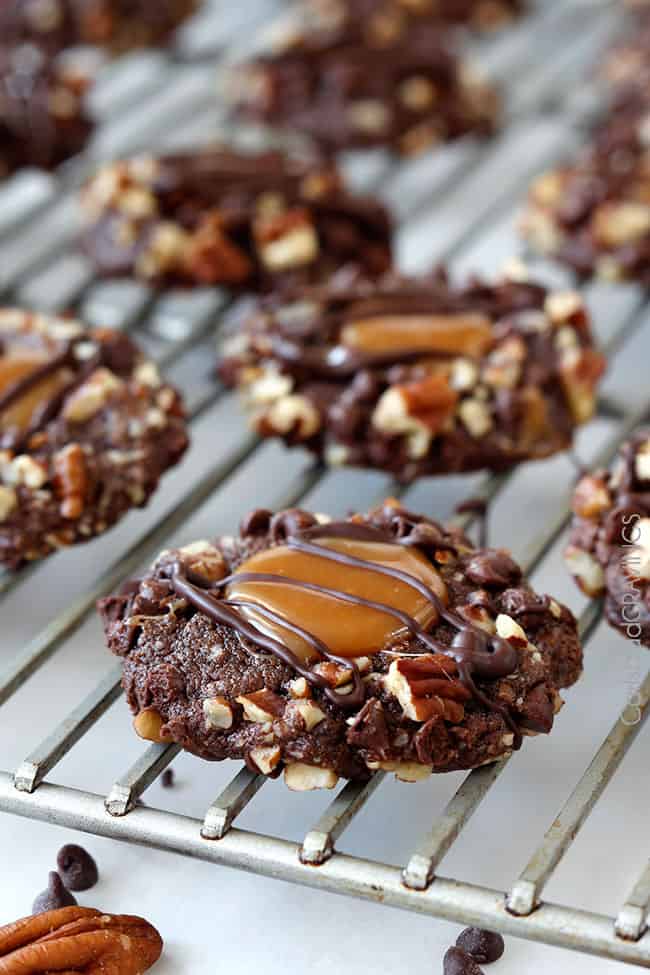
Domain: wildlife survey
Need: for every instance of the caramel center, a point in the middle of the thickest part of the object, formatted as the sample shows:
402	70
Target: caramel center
468	334
14	369
347	628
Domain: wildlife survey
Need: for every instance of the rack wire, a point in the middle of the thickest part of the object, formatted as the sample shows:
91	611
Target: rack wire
179	331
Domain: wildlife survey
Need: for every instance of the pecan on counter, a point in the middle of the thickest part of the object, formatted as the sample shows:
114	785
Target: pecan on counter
78	939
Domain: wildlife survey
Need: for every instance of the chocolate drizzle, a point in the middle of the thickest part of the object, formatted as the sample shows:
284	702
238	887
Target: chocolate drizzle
22	386
476	652
340	362
49	408
305	332
194	589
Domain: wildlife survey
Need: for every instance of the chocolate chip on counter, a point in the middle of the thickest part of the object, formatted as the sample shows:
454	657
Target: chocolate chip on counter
484	946
54	897
77	868
458	962
167	780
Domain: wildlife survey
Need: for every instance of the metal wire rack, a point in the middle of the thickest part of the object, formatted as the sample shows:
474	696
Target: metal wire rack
140	101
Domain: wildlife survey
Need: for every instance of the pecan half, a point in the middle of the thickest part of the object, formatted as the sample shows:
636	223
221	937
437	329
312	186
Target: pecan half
78	939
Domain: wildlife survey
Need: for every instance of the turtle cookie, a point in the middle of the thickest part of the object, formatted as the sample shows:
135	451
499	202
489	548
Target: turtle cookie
87	427
593	214
330	649
418	376
351	86
217	217
609	546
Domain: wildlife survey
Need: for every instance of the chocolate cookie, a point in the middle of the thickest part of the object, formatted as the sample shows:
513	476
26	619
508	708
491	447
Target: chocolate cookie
594	214
415	375
335	648
609	545
628	65
388	19
216	217
47	23
42	116
87	427
120	25
356	86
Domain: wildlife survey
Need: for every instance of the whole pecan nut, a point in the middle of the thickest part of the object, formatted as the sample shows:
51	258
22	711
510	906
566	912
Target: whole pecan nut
78	939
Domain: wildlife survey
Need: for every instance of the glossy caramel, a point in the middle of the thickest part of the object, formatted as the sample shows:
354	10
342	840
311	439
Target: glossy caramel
460	334
13	369
347	629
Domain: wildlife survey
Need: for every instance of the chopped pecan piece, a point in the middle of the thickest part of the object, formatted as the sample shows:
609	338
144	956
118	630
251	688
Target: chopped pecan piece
71	480
430	400
286	240
212	258
262	705
591	497
370	731
425	687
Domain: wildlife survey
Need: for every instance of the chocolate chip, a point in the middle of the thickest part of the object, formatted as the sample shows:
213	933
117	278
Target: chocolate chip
257	522
55	897
291	522
484	946
522	602
76	867
458	962
538	711
167	780
492	568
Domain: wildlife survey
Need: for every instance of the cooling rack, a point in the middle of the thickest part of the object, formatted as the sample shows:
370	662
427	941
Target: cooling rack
451	205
